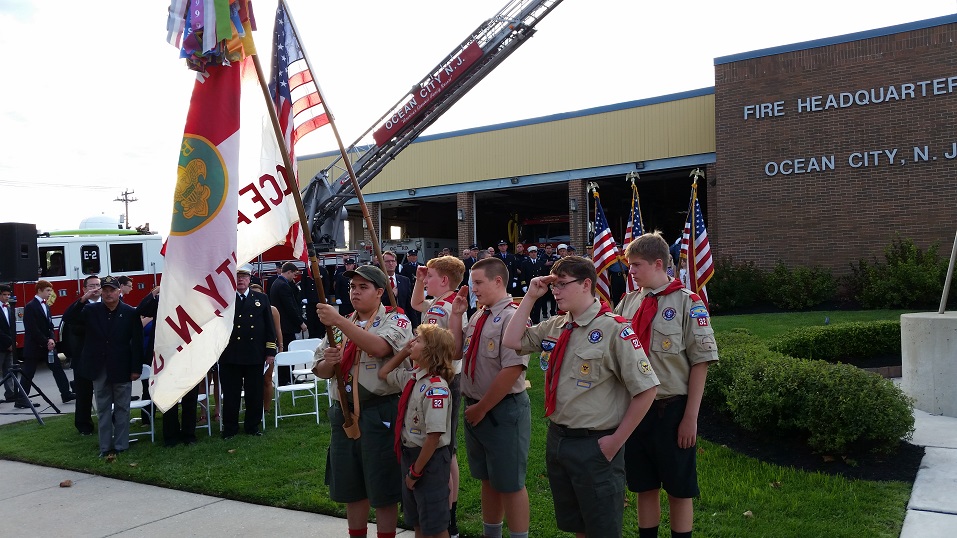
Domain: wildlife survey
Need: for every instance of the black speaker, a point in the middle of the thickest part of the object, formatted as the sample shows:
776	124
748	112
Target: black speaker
18	252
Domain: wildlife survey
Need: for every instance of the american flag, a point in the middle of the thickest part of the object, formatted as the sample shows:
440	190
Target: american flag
296	96
291	75
698	251
633	230
604	251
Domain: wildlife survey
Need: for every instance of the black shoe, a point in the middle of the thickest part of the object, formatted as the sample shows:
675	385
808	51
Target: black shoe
86	433
189	442
22	406
258	434
105	453
134	398
228	437
67	398
73	385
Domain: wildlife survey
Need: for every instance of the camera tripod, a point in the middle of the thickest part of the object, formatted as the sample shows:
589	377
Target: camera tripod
11	375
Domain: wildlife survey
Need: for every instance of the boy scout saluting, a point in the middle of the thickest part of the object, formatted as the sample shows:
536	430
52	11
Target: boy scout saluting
439	275
598	386
673	326
497	414
364	472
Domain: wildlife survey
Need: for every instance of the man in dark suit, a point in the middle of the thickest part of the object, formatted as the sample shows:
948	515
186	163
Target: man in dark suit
241	366
468	258
8	339
533	266
408	270
400	286
38	344
286	296
342	288
72	344
113	358
512	264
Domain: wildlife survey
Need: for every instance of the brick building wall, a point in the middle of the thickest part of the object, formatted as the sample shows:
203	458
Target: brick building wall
833	215
578	219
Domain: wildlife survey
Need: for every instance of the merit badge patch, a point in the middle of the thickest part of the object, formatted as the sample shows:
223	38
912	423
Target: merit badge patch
438	403
644	366
543	360
666	344
337	335
626	333
702	322
595	336
699	311
669	314
438	392
465	347
548	345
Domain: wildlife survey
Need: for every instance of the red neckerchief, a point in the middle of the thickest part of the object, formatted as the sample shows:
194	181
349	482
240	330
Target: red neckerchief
474	344
400	418
641	323
555	362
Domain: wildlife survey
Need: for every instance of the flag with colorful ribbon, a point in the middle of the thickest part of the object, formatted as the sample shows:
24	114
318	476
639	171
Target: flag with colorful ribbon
604	251
195	316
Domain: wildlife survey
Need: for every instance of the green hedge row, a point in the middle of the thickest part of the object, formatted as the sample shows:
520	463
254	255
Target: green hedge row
907	277
838	408
857	340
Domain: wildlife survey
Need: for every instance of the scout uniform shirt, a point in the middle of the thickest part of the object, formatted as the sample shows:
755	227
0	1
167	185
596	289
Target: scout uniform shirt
397	331
491	357
429	409
681	336
603	369
439	312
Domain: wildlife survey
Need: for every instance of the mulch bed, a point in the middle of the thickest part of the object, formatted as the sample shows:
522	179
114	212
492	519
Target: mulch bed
794	452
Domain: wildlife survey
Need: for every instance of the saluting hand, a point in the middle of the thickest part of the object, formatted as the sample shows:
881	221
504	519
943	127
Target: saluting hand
421	272
461	302
539	285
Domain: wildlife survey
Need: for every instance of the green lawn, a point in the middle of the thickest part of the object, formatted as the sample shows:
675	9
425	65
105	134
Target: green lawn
285	468
770	325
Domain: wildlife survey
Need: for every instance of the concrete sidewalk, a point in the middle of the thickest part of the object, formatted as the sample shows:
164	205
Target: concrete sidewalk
143	509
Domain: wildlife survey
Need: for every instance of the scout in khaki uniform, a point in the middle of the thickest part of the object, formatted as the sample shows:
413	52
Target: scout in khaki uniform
497	413
363	472
424	428
437	278
673	325
598	386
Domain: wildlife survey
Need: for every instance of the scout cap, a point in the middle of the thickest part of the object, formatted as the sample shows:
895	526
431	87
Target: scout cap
371	273
110	282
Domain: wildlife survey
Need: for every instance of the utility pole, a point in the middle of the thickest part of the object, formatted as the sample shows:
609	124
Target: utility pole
125	198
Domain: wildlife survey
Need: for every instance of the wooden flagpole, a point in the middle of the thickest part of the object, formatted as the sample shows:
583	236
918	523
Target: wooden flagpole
342	151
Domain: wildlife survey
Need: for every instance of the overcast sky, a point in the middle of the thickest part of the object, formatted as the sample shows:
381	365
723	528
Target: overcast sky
93	101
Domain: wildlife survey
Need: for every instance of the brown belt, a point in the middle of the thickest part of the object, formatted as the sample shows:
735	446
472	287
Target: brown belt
665	402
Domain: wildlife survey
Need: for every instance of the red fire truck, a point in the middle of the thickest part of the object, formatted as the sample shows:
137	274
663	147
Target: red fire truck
67	257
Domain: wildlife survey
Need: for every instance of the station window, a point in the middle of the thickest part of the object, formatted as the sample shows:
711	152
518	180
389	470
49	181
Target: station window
126	257
395	233
90	259
52	261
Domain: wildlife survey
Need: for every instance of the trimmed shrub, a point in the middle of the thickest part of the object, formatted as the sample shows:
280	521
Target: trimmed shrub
907	278
735	285
858	340
837	408
800	288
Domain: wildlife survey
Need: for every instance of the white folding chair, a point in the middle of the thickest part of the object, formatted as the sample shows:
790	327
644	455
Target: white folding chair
310	388
311	344
146	406
303	374
202	400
